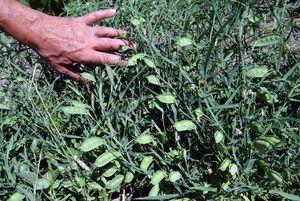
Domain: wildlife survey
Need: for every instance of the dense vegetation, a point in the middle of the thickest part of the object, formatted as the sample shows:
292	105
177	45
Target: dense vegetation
207	109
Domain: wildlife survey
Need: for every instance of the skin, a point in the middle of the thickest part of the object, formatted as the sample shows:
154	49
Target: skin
63	42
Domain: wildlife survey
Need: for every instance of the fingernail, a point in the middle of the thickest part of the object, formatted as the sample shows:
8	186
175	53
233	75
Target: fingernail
113	11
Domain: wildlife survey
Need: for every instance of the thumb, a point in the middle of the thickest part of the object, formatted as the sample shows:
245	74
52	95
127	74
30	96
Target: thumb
92	18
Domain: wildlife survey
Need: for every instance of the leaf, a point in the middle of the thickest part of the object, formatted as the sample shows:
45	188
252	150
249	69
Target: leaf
198	112
16	197
110	171
134	59
166	98
183	42
91	143
224	164
147	160
257	72
233	169
28	177
88	76
285	195
154	191
219	137
184	125
75	110
157	177
136	21
106	158
42	183
267	41
144	139
153	80
128	177
4	107
149	63
115	182
174	176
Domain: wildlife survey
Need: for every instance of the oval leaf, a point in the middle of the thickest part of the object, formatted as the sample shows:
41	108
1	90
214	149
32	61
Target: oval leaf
75	110
147	160
219	137
153	80
184	125
157	177
115	182
183	42
257	72
174	176
91	143
128	177
154	191
144	139
105	158
16	197
166	98
88	76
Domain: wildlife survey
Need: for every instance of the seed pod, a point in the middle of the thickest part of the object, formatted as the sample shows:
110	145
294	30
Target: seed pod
157	177
262	145
115	182
105	158
272	140
267	41
224	164
146	163
276	176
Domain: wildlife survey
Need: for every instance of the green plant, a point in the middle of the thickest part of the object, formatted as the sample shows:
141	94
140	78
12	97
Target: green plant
208	109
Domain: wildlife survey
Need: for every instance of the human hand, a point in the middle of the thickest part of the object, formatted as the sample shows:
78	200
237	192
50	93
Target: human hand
63	42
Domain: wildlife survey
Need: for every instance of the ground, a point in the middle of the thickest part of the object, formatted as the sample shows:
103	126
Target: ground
207	110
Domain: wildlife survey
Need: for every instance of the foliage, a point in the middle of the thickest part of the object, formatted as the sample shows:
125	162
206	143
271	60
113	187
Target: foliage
208	109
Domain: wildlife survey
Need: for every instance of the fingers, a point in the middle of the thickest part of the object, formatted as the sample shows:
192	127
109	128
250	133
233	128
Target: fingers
96	16
107	44
97	58
69	73
107	32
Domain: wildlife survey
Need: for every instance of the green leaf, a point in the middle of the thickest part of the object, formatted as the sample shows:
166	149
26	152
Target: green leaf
149	63
134	59
153	80
115	182
147	160
144	139
106	158
88	76
110	171
233	169
224	164
184	125
128	177
267	41
136	21
154	191
91	143
219	137
257	72
174	176
285	195
198	112
183	42
157	177
166	98
16	197
75	110
42	183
